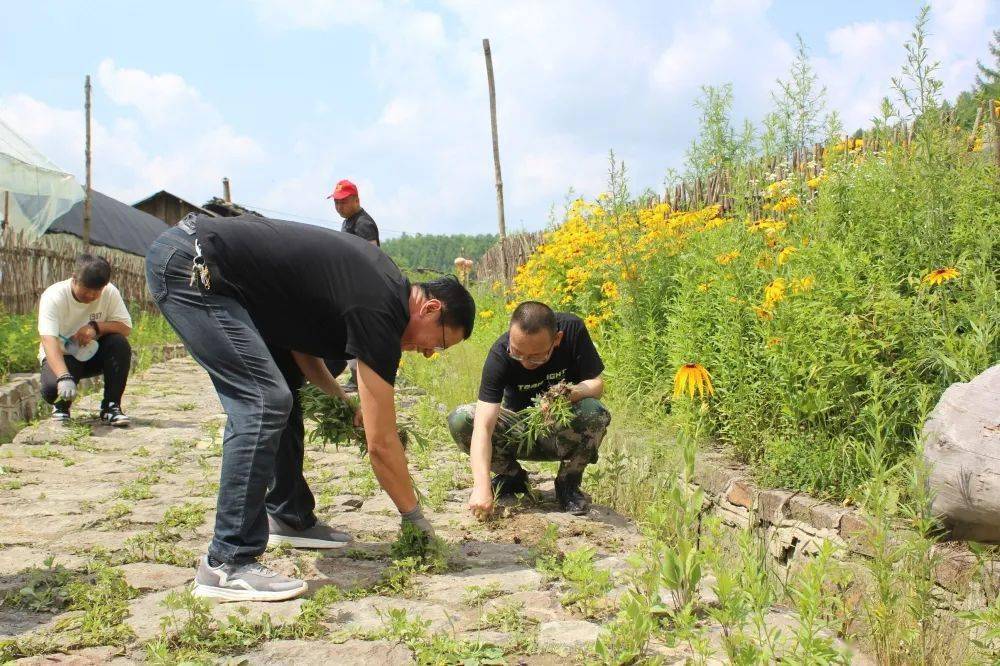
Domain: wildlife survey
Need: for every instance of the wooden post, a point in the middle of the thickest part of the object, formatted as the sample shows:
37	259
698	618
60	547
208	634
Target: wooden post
496	159
226	196
975	127
86	201
994	111
6	211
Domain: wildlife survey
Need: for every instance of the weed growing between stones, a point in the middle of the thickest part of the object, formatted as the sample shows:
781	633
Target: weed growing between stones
511	619
189	515
100	596
191	635
437	648
45	590
476	595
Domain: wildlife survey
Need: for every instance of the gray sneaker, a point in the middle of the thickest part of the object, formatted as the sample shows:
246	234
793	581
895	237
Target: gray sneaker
251	581
317	536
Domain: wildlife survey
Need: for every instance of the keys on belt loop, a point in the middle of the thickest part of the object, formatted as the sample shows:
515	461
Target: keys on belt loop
187	224
199	269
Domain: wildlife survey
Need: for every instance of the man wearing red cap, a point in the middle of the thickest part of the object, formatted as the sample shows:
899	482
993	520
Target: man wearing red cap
356	220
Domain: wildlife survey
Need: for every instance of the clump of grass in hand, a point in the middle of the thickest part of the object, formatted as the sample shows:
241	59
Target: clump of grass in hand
334	419
551	412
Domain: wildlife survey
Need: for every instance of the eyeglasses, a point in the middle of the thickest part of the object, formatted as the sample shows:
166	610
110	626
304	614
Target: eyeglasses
537	360
444	343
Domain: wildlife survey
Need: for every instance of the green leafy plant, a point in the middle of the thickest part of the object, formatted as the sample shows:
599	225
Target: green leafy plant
550	412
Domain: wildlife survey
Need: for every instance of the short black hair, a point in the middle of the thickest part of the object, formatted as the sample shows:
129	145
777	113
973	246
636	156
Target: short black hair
459	309
532	316
92	272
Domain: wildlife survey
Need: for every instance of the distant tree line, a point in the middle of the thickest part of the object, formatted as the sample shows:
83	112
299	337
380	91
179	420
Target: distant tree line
436	251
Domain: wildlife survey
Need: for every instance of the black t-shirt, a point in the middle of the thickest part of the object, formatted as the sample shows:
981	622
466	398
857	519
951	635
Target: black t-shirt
361	225
574	360
311	289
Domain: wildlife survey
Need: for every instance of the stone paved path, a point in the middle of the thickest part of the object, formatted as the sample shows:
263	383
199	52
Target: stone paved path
142	499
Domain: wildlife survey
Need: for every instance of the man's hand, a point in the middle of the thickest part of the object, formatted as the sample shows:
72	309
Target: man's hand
481	502
66	387
416	518
85	335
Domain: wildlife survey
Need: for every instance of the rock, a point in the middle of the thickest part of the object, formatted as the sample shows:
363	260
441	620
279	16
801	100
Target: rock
541	606
16	621
281	612
962	449
353	503
145	576
741	493
145	613
95	656
368	614
453	587
567	636
325	653
772	505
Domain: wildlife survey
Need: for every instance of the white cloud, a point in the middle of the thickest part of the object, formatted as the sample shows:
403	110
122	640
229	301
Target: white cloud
177	141
160	98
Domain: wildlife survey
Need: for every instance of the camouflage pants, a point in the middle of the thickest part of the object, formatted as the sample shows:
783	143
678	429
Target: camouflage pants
575	446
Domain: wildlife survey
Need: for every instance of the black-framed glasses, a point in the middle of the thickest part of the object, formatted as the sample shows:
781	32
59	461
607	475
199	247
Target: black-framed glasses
444	343
537	360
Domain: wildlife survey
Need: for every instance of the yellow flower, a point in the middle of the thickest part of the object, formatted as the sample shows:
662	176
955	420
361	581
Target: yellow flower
814	183
692	377
785	254
486	314
940	275
591	322
773	341
787	203
610	289
724	259
803	284
774	293
704	286
764	314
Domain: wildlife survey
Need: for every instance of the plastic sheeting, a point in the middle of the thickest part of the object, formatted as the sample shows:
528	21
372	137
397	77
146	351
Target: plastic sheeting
40	191
113	224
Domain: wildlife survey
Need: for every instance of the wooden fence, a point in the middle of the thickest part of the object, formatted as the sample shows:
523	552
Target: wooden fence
718	188
28	266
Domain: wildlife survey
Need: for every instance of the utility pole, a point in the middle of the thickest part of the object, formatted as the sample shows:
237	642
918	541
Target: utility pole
86	201
496	158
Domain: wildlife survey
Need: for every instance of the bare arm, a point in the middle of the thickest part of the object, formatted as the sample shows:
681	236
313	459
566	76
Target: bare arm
481	451
54	355
385	451
318	374
119	327
480	457
588	388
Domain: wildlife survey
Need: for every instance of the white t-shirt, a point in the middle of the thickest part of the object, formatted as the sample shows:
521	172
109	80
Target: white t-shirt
59	313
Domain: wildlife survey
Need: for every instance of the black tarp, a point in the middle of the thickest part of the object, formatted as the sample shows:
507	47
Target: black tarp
112	224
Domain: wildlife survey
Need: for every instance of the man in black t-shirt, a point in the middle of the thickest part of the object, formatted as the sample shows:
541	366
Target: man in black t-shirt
357	222
259	303
541	348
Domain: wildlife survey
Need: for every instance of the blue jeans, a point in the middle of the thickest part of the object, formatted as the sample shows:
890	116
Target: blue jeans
220	334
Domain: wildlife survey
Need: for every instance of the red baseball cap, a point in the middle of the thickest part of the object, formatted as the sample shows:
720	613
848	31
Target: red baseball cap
343	189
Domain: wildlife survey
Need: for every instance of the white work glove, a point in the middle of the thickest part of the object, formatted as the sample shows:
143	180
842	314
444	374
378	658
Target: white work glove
66	387
416	518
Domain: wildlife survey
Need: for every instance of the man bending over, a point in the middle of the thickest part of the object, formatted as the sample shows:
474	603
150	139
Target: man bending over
540	349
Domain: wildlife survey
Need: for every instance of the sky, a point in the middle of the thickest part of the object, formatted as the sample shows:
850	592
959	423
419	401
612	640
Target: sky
285	97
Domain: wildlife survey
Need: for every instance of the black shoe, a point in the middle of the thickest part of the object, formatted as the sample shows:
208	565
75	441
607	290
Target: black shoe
60	411
571	498
505	485
113	415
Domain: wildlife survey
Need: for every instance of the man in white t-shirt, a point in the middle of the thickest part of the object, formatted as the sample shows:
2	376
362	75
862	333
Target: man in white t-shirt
84	326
